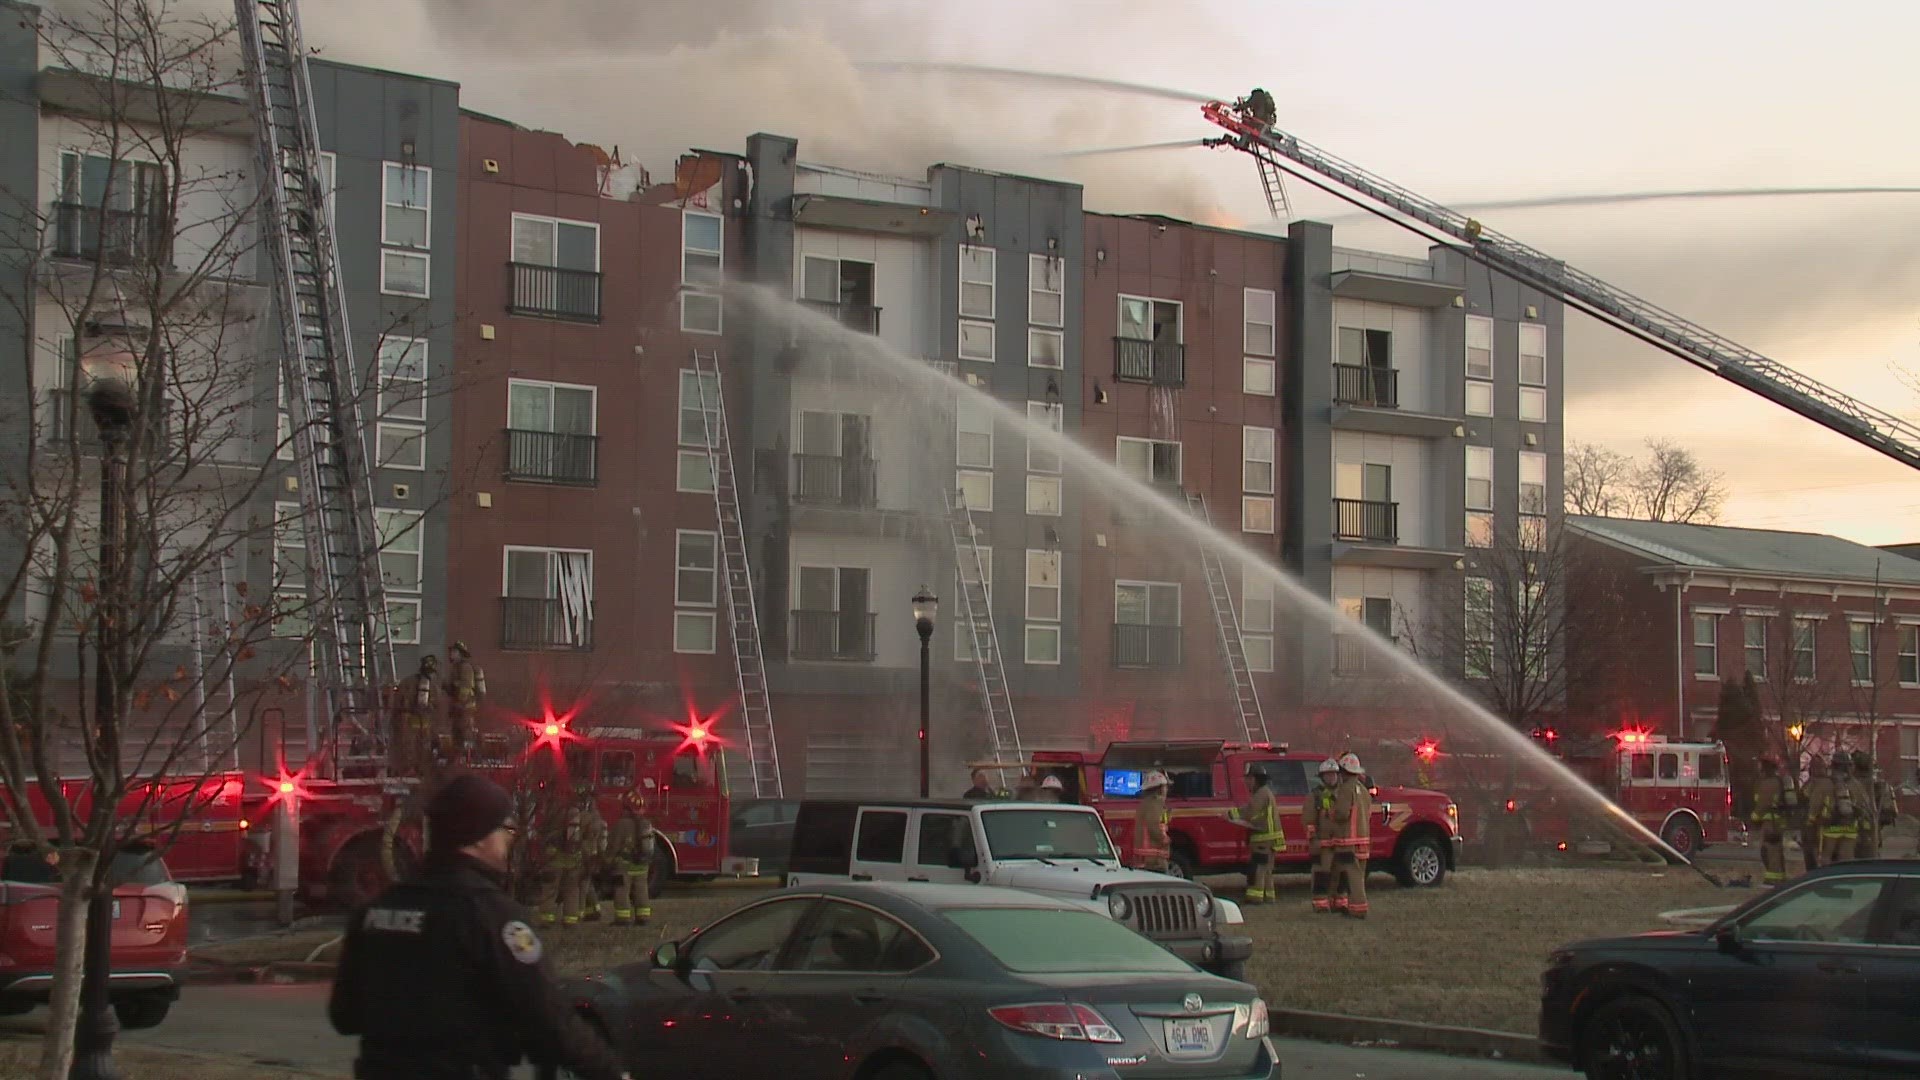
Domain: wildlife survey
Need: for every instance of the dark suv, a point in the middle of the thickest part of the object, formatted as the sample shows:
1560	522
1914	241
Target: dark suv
1818	977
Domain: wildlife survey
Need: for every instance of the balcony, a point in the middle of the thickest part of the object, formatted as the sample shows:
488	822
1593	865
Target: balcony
1137	647
861	318
1351	656
549	292
1374	387
1158	363
832	480
530	623
553	457
1366	520
832	635
117	237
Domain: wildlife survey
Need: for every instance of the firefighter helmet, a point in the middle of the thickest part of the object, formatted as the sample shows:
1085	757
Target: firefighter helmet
1350	763
1862	762
1154	779
1257	771
582	792
1329	766
1052	783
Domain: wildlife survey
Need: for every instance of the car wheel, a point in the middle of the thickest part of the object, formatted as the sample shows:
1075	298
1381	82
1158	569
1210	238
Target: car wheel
141	1010
1633	1038
659	870
1421	863
1181	862
1682	834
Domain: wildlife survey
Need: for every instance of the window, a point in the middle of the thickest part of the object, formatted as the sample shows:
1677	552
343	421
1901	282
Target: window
1479	628
1257	377
1753	630
696	565
1256	619
700	313
1043	607
1829	911
1151	461
1259	321
1479	347
1479	398
1669	766
401	446
693	632
750	940
550	407
1146	603
1479	478
701	262
1045	349
403	378
1040	458
1366	348
976	488
1533	532
1533	403
330	183
850	938
694	388
113	210
1706	645
1910	654
289	571
1259	650
1479	531
1533	482
555	266
401	570
406	197
1256	447
1043	495
1051	941
945	840
976	282
1533	354
968	571
1860	647
693	472
556	244
404	273
1642	766
549	598
1909	756
976	341
1257	514
1046	290
1803	659
882	837
973	433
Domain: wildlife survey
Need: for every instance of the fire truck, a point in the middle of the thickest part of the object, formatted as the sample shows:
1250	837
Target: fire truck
1415	832
1678	790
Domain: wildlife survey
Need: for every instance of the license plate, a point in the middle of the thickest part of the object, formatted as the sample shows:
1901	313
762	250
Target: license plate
1189	1038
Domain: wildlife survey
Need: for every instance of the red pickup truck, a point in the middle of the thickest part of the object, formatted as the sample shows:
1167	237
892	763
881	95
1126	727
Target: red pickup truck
1416	833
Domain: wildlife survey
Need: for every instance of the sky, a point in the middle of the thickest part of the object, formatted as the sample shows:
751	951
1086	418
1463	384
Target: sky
1477	100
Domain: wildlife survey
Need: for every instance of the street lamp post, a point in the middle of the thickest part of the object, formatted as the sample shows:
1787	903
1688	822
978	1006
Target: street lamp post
926	608
111	401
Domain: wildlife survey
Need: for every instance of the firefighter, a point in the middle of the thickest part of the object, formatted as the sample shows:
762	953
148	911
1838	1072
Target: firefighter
1152	845
1261	816
1320	834
1840	814
441	977
1877	805
1769	817
632	849
567	856
593	853
1259	105
1051	790
1818	790
466	685
1352	842
413	731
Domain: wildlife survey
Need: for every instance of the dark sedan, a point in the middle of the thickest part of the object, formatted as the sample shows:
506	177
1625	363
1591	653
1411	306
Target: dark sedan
925	982
1818	977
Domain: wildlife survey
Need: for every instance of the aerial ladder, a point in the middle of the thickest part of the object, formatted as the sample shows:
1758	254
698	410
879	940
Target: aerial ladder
976	621
1271	147
736	581
1226	621
353	652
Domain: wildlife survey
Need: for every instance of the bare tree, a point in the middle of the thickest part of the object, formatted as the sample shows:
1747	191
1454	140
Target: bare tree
1596	480
1672	485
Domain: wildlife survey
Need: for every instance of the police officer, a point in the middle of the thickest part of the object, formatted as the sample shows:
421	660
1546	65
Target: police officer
1769	817
441	978
633	850
1352	837
466	685
982	786
1877	805
1819	791
1152	846
1321	833
1840	814
1263	818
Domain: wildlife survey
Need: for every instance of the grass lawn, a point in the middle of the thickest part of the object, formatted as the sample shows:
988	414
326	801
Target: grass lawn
20	1058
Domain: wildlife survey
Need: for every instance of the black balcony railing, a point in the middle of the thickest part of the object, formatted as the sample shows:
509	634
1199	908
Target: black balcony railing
1364	519
1146	648
531	622
832	480
832	635
553	457
1350	655
122	237
1364	384
549	292
864	318
1138	360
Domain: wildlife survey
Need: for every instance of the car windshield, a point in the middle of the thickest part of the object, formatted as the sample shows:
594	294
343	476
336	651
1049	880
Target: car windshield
1045	834
1054	941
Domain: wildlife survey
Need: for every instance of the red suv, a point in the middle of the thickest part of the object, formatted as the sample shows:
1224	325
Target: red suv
149	935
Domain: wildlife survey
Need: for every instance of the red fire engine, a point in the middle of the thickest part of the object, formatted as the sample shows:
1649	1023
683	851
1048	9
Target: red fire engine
1415	832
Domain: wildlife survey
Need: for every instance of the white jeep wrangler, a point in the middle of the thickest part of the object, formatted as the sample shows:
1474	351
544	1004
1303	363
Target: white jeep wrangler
1060	850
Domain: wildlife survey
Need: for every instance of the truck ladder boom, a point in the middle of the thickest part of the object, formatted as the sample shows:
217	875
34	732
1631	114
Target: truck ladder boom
1233	648
743	616
976	621
1872	427
344	592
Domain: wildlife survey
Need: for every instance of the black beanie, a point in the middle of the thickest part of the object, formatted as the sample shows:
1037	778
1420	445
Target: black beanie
466	810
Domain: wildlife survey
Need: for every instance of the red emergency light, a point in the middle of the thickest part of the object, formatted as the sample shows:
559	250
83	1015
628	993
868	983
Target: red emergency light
1631	737
698	733
287	787
1426	749
551	729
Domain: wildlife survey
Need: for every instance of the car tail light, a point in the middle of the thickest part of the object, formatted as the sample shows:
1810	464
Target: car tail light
1057	1020
1258	1023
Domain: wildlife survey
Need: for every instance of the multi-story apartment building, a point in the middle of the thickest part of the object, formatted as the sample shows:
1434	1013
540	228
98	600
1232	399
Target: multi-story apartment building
1829	630
130	226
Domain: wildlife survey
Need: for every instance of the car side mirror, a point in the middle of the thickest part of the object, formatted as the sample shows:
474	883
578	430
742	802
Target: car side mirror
1727	939
667	955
